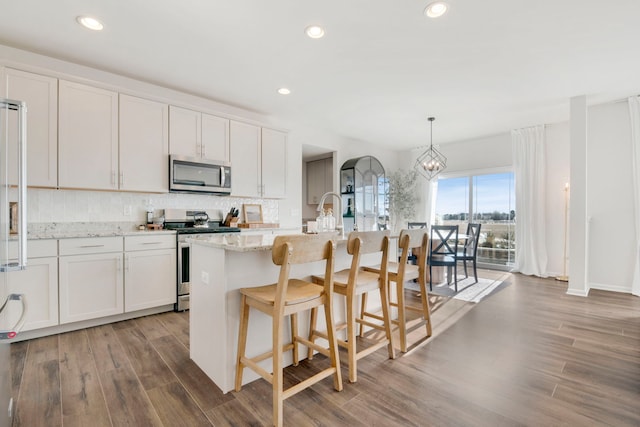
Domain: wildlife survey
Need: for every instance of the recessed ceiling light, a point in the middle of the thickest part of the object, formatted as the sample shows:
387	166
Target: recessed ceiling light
284	91
436	9
314	31
90	23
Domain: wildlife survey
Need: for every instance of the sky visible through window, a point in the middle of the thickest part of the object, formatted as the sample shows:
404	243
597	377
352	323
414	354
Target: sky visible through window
493	192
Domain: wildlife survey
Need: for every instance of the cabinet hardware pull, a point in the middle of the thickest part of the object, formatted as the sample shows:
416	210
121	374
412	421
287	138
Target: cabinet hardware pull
151	243
92	246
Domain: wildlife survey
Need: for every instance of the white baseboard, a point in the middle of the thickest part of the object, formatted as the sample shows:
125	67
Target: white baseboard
578	292
612	288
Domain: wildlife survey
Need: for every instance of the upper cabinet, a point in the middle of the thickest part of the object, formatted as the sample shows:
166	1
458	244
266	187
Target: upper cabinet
88	137
144	145
319	179
258	161
274	164
245	160
41	96
196	134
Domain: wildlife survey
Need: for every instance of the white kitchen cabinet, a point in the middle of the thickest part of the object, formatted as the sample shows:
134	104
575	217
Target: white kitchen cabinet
38	283
41	96
91	280
144	145
319	179
149	272
245	160
215	138
88	137
196	134
274	164
258	161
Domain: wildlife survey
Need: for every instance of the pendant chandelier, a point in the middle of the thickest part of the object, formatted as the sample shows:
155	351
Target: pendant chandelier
431	162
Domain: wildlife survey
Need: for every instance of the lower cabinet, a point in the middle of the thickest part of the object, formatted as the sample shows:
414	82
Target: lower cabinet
39	285
150	278
91	286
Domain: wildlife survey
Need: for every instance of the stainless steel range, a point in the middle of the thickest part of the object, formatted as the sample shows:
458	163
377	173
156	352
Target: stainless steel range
189	223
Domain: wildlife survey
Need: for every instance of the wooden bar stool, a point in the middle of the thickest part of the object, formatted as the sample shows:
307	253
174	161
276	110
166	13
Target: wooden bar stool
287	298
354	283
416	241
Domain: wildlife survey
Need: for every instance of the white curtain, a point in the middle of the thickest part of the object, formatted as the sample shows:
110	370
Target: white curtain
634	109
529	164
431	202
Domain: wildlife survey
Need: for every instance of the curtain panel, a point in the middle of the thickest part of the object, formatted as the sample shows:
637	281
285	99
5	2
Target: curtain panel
529	165
634	110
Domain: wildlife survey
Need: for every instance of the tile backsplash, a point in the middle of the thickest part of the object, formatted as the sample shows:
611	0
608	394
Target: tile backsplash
56	206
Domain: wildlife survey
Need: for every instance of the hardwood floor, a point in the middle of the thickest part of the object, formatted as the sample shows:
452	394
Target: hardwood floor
527	355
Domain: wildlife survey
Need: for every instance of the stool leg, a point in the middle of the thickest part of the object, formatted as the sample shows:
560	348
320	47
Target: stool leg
363	309
426	312
333	343
312	330
351	337
242	340
384	298
277	380
402	326
294	339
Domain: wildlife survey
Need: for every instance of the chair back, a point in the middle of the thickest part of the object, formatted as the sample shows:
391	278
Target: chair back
471	244
411	239
300	249
444	240
416	225
368	242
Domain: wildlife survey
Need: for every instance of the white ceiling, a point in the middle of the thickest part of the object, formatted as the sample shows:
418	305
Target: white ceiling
484	68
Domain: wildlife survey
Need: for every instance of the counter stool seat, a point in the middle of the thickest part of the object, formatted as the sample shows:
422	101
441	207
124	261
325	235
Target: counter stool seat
287	298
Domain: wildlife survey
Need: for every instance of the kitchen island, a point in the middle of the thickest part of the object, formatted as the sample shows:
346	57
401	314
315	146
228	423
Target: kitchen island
220	266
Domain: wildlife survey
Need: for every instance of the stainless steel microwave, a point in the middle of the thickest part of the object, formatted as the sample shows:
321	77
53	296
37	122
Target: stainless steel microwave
195	175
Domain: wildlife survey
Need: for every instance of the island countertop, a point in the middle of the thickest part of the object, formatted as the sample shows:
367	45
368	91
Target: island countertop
242	243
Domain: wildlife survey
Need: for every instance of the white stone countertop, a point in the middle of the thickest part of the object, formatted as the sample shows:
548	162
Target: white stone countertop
86	229
241	243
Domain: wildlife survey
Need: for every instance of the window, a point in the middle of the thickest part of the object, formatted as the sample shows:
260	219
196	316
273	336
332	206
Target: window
488	199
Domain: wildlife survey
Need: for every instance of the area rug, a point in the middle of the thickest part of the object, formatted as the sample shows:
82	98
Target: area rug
468	290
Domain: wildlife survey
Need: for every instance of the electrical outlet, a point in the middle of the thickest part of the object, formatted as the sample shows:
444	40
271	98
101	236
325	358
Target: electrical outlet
204	276
127	210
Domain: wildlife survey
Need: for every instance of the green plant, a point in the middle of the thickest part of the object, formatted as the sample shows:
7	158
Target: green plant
402	195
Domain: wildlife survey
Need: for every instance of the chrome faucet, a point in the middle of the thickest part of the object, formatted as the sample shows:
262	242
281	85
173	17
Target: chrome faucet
340	224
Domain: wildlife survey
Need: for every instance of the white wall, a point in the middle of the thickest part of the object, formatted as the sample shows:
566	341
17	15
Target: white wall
610	198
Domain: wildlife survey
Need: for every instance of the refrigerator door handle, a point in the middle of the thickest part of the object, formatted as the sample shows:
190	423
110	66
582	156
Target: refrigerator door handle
22	186
13	332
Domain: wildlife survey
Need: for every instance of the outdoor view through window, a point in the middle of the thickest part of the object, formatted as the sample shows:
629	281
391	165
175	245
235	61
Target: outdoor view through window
486	199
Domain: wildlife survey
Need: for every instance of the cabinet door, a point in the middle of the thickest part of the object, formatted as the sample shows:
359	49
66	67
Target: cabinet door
150	279
91	286
328	175
245	159
39	284
144	145
215	138
88	137
41	95
274	164
315	181
184	132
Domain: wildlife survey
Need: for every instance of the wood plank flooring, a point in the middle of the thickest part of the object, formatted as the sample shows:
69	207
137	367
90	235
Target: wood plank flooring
527	355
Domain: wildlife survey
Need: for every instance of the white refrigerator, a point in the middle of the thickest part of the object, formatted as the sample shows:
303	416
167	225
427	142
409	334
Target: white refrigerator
13	228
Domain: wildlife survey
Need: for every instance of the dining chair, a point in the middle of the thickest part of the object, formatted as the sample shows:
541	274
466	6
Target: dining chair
444	247
415	252
469	251
399	273
289	297
354	283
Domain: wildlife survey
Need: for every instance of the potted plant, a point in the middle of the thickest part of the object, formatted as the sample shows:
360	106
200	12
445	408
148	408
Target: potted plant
403	197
